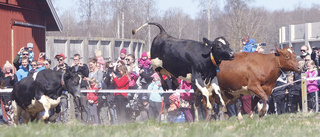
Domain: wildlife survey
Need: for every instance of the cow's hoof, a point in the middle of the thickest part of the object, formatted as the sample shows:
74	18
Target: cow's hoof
261	114
239	116
251	116
44	117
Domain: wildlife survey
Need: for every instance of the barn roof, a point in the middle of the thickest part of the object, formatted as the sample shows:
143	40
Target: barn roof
52	20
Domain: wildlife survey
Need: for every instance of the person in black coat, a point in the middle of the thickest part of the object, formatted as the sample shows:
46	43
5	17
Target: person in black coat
106	100
81	109
279	93
294	95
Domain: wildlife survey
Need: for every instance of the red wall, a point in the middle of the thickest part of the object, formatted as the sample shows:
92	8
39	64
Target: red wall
23	11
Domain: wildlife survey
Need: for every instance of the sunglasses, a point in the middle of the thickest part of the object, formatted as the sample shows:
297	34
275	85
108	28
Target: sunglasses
303	50
60	59
25	54
33	64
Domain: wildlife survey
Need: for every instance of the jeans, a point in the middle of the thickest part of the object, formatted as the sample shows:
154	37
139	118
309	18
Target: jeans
114	116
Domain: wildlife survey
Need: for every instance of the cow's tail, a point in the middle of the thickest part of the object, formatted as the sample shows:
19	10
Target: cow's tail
150	23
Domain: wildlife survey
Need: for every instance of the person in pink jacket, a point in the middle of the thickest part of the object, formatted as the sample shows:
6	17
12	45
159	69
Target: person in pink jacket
312	85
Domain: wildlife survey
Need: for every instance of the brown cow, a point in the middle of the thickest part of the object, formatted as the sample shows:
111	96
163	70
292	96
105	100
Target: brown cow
254	74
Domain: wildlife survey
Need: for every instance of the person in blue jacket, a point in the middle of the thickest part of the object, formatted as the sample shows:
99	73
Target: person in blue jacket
249	47
23	69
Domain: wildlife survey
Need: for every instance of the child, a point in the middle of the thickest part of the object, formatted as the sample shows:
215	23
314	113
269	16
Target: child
29	49
92	98
312	85
144	62
100	59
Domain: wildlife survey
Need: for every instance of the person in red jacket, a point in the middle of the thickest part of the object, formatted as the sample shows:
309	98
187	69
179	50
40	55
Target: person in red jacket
121	83
92	98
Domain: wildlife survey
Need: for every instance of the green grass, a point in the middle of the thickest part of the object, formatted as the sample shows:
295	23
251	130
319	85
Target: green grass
287	125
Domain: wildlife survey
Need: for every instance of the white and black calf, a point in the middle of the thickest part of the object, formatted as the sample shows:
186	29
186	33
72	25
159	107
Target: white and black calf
193	61
41	92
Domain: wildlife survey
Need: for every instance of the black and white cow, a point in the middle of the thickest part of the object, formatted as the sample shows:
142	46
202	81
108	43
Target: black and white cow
42	91
193	61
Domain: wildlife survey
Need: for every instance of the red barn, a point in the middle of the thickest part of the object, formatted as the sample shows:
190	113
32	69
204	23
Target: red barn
24	21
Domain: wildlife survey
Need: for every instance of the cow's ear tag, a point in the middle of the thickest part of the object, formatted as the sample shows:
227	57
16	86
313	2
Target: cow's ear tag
218	69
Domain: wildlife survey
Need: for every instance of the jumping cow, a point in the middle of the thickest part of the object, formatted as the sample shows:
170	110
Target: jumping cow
193	61
254	74
42	91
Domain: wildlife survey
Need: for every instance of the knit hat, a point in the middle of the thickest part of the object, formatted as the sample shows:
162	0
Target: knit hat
124	51
144	54
29	45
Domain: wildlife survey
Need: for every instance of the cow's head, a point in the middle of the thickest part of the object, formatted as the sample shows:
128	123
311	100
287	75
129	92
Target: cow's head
220	49
72	83
286	59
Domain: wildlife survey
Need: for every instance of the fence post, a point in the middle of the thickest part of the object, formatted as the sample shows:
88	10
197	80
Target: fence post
304	93
317	101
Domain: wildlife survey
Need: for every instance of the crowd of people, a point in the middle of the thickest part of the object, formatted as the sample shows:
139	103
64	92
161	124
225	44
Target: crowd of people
100	107
121	107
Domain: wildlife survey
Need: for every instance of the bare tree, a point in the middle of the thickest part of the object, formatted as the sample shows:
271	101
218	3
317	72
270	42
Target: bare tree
86	10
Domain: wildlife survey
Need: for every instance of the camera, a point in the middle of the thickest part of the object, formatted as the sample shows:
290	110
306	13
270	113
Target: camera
263	44
26	48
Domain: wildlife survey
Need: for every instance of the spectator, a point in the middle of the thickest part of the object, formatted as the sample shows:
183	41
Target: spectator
18	60
304	51
107	76
155	98
123	55
95	72
174	113
9	78
294	95
279	94
23	69
144	62
92	98
81	109
34	66
186	100
247	99
106	100
47	63
61	65
100	60
29	49
131	64
260	50
165	97
312	85
144	109
315	55
133	71
121	83
145	77
248	47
